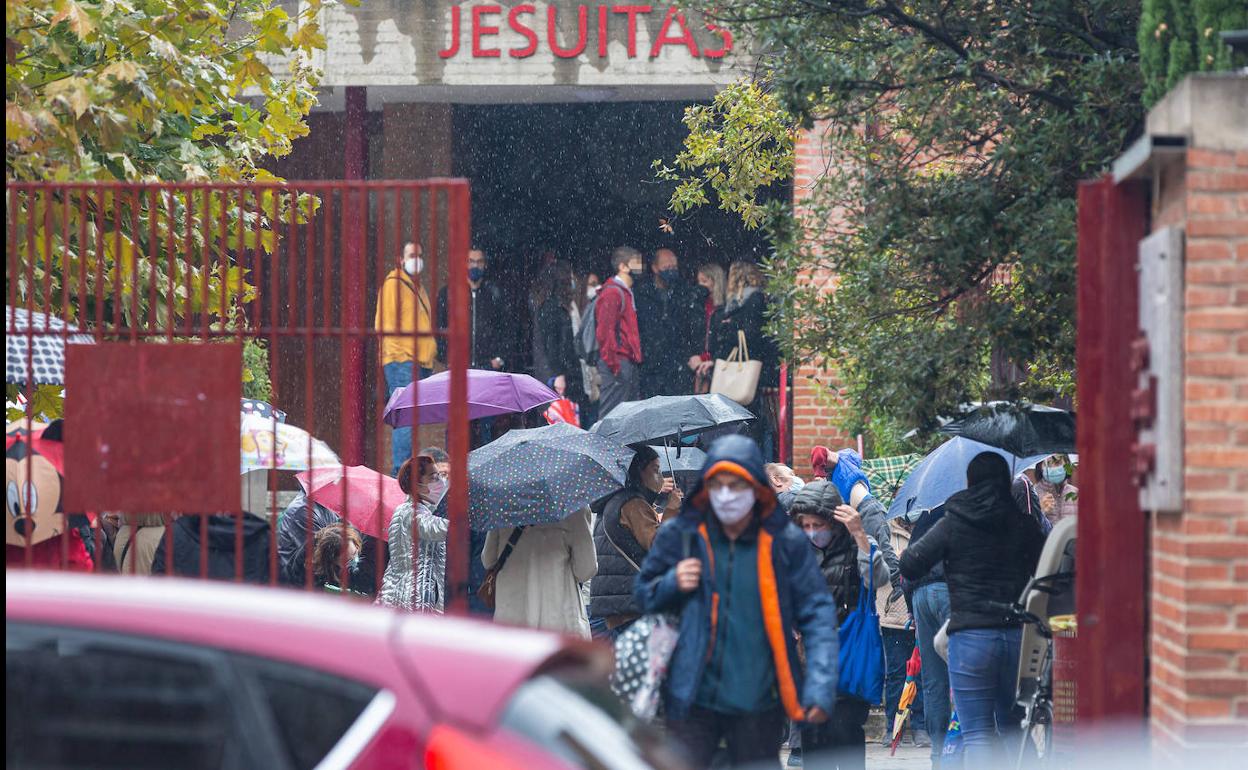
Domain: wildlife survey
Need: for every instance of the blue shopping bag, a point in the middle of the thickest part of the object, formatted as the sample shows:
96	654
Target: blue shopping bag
861	659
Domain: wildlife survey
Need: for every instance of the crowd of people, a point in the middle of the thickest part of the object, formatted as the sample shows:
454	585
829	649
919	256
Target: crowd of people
655	332
761	568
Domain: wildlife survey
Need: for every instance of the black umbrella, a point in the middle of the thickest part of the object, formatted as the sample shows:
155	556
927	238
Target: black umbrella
1023	430
664	419
541	475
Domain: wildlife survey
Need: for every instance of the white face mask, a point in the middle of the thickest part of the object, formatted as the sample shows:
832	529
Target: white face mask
591	292
820	537
435	492
413	265
730	505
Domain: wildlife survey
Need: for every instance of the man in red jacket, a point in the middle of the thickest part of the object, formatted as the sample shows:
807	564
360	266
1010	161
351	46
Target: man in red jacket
619	342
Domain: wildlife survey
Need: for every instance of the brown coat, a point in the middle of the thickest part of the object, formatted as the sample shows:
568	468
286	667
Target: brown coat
147	530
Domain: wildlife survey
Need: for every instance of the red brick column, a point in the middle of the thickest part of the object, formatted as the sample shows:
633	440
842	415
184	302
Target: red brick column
816	403
1199	639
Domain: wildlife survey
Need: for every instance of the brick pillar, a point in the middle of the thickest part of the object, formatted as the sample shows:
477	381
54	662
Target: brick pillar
1200	556
816	404
1199	593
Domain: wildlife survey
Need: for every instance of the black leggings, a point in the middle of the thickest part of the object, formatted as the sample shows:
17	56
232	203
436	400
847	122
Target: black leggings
750	737
839	743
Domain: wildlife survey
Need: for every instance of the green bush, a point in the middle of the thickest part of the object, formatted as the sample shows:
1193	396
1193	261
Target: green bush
1181	36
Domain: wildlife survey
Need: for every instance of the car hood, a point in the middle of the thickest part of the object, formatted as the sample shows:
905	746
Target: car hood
471	669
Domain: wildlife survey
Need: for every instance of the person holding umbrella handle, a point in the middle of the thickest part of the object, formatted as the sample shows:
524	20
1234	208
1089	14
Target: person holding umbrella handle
625	528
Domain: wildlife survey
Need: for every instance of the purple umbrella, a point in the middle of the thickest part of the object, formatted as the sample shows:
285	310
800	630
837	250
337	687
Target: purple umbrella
489	393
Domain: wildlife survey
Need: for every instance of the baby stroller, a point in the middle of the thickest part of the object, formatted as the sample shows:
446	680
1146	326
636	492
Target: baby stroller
1050	594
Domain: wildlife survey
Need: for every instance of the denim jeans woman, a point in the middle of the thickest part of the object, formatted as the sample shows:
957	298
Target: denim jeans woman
989	549
983	668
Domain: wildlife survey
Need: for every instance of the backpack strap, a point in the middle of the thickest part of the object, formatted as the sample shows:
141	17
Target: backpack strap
507	549
125	549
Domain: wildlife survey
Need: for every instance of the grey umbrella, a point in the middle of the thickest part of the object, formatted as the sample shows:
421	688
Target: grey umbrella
664	419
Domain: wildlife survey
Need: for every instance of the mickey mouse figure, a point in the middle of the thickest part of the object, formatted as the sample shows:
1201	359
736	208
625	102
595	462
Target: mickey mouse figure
33	467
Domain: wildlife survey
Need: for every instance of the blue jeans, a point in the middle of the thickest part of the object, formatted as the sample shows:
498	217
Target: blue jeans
983	668
399	375
898	647
931	610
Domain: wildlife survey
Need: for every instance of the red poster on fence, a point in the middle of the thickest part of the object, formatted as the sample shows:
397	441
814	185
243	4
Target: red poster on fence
152	428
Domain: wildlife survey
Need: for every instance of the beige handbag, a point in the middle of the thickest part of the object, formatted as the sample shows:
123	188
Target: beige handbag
737	378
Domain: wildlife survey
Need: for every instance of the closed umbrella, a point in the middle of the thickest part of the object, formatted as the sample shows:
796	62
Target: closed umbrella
943	472
908	693
361	495
1020	429
489	394
34	346
541	475
663	419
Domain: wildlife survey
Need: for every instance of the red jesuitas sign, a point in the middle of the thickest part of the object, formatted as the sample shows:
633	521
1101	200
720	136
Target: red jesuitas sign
489	31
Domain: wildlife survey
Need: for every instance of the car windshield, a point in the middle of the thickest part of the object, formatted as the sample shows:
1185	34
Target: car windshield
583	722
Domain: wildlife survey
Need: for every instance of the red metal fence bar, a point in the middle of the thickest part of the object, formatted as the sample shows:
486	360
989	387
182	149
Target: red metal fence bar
244	264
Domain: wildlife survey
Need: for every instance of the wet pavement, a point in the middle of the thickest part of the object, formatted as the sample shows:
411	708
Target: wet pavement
878	757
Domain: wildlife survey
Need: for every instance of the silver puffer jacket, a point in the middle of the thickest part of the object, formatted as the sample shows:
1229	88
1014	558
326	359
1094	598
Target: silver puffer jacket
415	578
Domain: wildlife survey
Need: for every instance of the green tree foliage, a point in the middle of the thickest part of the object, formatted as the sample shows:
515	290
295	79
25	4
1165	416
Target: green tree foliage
945	221
143	91
1181	36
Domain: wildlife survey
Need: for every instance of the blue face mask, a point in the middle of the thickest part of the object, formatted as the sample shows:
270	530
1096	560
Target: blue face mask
475	274
669	276
1055	475
820	537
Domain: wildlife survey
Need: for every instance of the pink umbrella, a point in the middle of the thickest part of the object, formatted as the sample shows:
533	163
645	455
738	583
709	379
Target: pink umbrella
360	495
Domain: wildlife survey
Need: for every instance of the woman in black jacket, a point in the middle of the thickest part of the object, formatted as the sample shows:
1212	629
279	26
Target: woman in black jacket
989	549
553	298
190	531
746	312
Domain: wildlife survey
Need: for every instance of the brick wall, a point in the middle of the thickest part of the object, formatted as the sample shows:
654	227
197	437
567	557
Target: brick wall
816	408
1199	603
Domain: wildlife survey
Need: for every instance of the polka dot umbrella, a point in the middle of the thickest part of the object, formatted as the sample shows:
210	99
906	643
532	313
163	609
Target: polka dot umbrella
34	346
541	475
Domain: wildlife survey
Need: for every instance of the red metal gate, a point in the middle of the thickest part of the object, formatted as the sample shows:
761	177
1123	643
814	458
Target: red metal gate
185	290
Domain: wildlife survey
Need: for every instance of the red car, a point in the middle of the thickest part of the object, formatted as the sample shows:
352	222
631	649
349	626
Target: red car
110	671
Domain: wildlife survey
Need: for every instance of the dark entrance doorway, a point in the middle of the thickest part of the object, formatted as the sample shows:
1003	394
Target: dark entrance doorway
576	179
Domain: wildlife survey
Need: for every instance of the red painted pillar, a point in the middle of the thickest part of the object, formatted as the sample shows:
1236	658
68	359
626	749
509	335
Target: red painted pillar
460	239
1112	549
783	449
354	207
